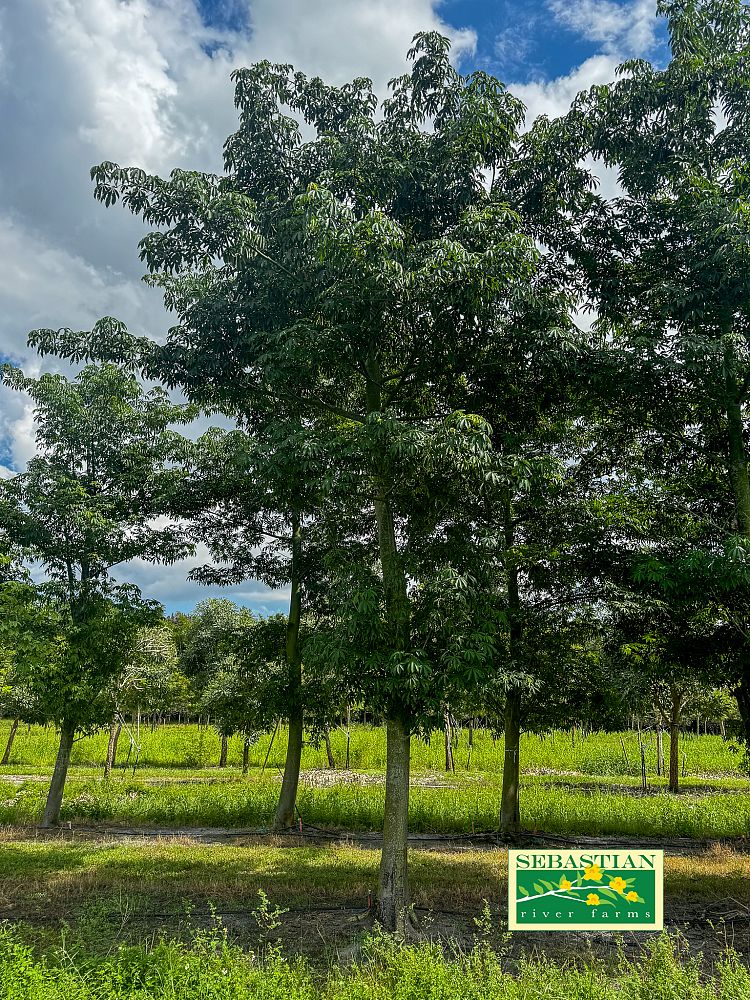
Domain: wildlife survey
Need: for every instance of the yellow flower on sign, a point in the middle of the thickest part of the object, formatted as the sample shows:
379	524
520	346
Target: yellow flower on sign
618	884
592	899
632	896
593	873
565	884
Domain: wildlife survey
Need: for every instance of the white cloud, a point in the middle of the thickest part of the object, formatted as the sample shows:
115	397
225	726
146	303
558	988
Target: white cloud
554	97
624	28
86	80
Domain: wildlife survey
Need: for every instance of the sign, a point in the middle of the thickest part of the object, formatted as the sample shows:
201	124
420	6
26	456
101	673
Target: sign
617	889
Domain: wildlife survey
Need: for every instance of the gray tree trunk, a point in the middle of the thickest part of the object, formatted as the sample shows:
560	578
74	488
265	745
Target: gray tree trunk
393	883
674	737
740	483
348	734
245	757
224	750
393	889
659	750
449	765
51	815
287	803
11	740
329	751
510	811
115	728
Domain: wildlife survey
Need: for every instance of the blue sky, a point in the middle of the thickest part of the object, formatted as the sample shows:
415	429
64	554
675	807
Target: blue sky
516	40
146	82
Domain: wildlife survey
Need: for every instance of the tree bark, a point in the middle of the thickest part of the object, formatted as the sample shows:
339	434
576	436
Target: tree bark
285	809
449	766
510	812
9	744
51	815
738	477
224	750
115	728
659	750
393	889
329	752
393	886
348	734
674	737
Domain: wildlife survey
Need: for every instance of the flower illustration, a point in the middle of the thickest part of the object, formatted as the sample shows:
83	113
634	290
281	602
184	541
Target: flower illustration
565	884
592	899
632	897
593	873
618	884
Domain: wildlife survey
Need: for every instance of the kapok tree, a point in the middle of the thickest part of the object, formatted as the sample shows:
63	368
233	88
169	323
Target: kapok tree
668	259
348	273
84	506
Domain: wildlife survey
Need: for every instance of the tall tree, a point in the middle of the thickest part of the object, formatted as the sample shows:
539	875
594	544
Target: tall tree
349	273
85	505
666	261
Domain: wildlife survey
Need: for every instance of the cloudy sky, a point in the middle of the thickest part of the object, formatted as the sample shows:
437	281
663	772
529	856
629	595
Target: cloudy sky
146	82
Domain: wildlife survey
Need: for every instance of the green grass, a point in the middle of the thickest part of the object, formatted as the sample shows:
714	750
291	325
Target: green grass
450	810
211	969
52	872
193	747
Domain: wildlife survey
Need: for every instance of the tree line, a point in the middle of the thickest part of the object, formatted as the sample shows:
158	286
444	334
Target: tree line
490	421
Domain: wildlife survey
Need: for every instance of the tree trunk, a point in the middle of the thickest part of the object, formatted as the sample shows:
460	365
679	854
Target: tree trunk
285	809
115	728
510	812
348	734
742	696
674	736
9	744
448	743
329	752
57	785
659	751
393	889
224	750
738	477
245	757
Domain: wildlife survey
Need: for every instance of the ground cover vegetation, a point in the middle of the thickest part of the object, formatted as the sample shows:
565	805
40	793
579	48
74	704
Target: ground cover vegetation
515	543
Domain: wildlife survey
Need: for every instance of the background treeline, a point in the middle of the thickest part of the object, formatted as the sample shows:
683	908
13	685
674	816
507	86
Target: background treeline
490	422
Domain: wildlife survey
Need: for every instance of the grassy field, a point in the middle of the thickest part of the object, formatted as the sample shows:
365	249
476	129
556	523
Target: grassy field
214	970
137	918
571	786
45	877
194	747
114	922
454	809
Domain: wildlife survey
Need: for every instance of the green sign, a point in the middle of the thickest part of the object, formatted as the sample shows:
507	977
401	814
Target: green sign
594	890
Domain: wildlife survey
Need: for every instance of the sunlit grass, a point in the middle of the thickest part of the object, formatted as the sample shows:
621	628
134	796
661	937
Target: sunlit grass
447	810
192	747
210	968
